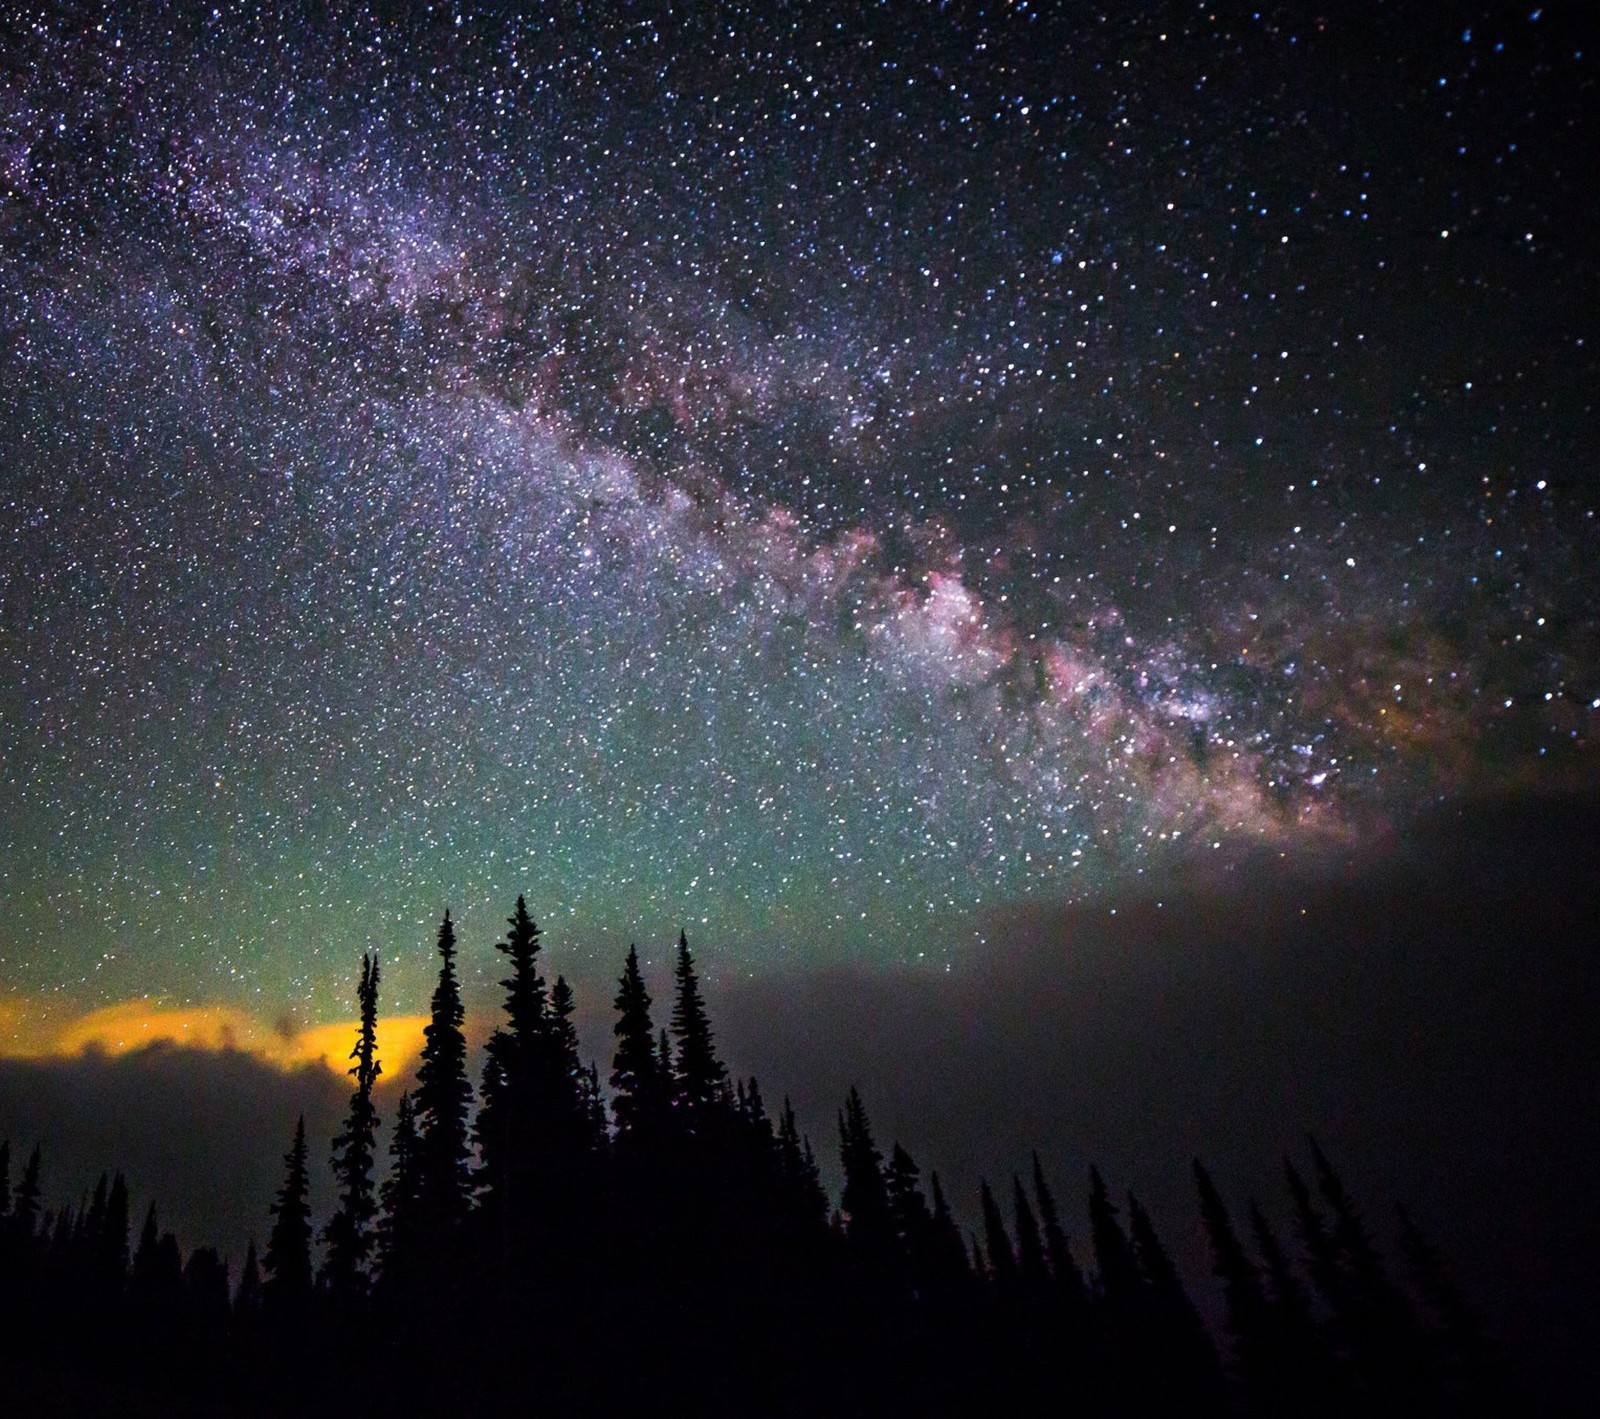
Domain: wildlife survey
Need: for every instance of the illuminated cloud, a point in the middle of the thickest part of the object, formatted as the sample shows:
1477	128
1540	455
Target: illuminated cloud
137	1024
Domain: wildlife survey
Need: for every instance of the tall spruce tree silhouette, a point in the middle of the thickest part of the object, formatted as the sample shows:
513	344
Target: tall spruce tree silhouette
156	1283
206	1305
949	1265
869	1221
349	1232
569	1078
1065	1276
400	1204
1287	1294
569	1146
1257	1359
109	1259
515	1105
286	1291
93	1220
701	1077
247	1297
1175	1329
1379	1326
907	1206
525	1002
997	1246
143	1281
1031	1268
60	1233
1322	1257
443	1099
1126	1362
1116	1266
805	1198
636	1082
1306	1365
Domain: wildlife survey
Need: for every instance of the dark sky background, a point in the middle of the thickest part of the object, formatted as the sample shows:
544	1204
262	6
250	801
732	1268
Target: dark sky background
883	487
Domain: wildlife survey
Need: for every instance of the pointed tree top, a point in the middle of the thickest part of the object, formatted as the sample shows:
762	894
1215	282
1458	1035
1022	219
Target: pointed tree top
701	1075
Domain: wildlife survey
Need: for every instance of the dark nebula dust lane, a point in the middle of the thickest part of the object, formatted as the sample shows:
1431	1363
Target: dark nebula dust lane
816	476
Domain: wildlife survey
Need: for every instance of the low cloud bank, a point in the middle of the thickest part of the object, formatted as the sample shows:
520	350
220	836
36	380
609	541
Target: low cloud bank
1430	1021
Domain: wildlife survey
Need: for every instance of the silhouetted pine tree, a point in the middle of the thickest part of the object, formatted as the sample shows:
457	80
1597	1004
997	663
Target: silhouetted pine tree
89	1235
975	1262
1032	1271
950	1271
750	1109
592	1105
1358	1255
1065	1276
570	1076
1322	1257
907	1205
169	1266
1116	1266
1255	1361
1287	1295
701	1077
349	1232
566	1148
56	1229
807	1201
1176	1326
869	1223
525	1002
443	1099
513	1119
247	1298
110	1260
913	1223
400	1202
5	1183
564	1035
156	1281
635	1068
1377	1320
144	1255
287	1263
205	1291
997	1246
1302	1363
23	1254
1336	1341
1130	1370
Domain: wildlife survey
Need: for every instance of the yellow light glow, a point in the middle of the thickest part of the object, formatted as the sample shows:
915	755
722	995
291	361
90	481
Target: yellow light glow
137	1024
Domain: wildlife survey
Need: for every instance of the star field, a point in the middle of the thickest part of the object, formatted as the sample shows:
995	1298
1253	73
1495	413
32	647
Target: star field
811	475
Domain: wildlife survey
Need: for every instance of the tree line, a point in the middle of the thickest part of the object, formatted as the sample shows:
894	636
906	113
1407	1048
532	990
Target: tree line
668	1247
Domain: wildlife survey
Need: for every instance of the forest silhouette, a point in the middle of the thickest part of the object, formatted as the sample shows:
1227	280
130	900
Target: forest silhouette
541	1245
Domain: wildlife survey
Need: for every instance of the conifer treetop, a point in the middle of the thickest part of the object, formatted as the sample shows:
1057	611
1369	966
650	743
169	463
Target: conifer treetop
287	1261
701	1075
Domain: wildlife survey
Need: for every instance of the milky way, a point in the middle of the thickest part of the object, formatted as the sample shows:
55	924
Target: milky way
812	476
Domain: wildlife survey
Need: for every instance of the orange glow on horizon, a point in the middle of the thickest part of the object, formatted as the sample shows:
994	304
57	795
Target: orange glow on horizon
137	1024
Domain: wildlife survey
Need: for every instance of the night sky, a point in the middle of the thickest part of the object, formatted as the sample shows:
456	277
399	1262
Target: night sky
811	476
854	482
